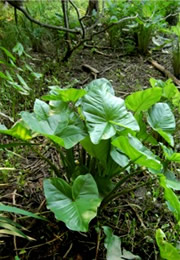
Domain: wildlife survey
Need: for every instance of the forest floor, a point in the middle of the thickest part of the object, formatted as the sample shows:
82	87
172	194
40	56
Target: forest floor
134	217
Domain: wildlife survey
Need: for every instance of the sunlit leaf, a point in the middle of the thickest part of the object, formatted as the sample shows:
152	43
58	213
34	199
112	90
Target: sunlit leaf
167	250
18	130
143	100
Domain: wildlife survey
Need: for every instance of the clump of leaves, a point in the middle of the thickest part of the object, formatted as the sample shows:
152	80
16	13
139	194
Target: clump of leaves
111	141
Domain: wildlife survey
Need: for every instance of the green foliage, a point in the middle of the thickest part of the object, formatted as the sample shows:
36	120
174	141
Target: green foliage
109	140
167	250
113	246
14	87
9	227
143	100
75	205
171	198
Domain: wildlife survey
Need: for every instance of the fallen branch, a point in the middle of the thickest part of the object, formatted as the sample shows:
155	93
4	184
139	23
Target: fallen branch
166	72
90	69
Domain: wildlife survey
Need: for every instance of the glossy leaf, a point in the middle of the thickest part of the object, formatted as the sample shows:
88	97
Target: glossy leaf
143	100
105	114
76	206
167	250
101	84
64	128
162	120
135	150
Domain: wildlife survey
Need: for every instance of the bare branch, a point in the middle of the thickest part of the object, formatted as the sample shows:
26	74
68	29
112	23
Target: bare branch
53	27
79	19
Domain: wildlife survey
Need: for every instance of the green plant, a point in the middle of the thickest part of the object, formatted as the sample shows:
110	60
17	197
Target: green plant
167	250
98	139
9	227
12	77
113	246
176	50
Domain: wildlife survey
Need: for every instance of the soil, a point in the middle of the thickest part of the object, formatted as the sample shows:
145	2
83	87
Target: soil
134	217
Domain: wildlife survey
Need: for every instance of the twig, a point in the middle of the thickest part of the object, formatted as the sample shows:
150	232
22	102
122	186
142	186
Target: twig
29	17
166	72
139	218
69	249
79	19
102	53
105	70
98	244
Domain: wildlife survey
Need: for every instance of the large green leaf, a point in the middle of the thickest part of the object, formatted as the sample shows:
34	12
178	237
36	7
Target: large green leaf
64	128
161	119
135	150
105	114
172	199
101	84
18	130
167	250
143	100
76	206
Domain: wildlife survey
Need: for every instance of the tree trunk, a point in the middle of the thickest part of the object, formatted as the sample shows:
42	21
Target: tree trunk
92	6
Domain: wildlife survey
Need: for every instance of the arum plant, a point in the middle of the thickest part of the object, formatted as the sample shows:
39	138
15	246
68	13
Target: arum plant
98	139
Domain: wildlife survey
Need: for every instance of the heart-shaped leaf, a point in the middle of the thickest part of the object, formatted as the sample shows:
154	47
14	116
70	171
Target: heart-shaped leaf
76	206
